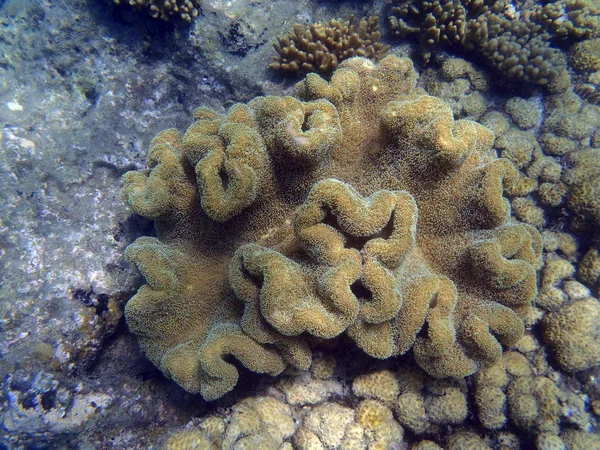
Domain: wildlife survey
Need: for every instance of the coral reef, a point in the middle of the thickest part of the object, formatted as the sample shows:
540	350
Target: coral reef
257	422
166	9
460	84
393	409
360	206
512	392
573	333
189	439
559	167
321	47
585	55
425	404
589	269
517	43
526	114
583	181
551	296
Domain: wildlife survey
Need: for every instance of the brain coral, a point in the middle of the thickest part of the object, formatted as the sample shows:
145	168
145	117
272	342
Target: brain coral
359	206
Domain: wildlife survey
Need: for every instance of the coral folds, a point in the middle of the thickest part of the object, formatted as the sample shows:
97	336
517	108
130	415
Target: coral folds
358	206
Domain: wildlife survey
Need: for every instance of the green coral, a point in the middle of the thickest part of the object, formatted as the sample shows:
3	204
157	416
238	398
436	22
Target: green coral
356	207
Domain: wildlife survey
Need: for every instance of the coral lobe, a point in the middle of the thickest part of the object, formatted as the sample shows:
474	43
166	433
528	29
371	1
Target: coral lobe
359	206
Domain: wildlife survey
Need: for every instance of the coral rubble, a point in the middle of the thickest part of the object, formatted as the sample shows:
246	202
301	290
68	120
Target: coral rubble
321	47
360	206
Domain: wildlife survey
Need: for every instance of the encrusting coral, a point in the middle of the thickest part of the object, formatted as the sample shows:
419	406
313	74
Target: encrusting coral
321	47
166	9
517	43
360	206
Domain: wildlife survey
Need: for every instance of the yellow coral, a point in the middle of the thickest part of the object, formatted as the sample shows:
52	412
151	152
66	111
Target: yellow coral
529	212
426	445
378	385
320	47
372	415
258	422
573	332
585	55
583	180
324	427
359	206
551	296
189	440
490	398
410	411
576	440
379	421
589	268
466	440
535	404
448	405
323	366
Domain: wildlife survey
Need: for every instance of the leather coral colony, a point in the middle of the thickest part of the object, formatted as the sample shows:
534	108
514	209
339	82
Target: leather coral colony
358	206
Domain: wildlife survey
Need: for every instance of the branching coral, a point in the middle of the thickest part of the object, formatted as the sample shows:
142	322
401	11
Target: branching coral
516	43
360	206
321	47
166	9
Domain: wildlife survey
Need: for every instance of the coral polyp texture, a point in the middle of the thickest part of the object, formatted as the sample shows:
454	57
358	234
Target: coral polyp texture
358	206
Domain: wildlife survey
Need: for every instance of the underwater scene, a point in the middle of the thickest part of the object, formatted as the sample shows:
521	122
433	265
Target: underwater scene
300	224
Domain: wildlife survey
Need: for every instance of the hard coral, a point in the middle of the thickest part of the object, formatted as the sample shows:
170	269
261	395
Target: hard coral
256	422
511	391
165	9
426	403
516	43
585	56
360	206
573	333
583	181
321	47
